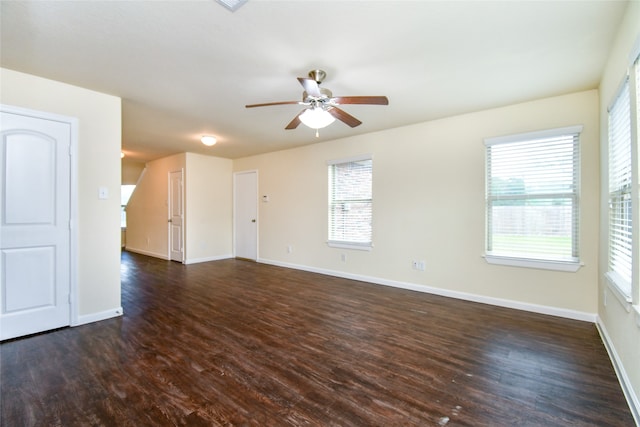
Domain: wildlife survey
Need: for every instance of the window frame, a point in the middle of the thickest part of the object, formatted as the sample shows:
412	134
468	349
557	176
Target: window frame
572	265
346	244
621	284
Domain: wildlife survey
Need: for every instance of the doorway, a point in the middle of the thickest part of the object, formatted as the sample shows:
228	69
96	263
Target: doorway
176	216
245	209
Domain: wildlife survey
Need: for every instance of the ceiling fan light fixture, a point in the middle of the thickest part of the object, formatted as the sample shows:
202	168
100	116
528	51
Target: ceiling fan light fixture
208	140
316	118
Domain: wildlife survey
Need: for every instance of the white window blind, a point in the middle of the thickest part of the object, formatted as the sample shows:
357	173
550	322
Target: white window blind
350	202
532	189
620	180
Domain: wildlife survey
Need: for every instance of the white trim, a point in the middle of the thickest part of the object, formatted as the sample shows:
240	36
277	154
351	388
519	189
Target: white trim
534	308
568	266
548	133
207	259
358	158
612	284
96	317
148	253
73	197
75	239
636	310
347	245
621	373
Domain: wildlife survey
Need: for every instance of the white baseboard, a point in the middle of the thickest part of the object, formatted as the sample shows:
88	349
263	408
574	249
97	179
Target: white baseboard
632	398
207	259
148	253
96	317
535	308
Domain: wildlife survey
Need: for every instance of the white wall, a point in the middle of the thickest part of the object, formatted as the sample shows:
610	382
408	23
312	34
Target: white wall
428	191
148	208
209	213
99	118
619	322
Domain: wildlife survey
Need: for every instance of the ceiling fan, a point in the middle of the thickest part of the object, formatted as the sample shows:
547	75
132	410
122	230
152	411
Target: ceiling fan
321	107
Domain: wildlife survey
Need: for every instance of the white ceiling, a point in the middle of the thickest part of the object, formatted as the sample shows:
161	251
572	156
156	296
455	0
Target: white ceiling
187	68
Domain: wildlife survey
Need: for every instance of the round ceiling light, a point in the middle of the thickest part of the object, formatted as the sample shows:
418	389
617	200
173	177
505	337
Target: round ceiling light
208	140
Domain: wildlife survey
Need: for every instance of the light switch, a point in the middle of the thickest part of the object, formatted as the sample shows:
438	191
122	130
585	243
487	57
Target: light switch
103	193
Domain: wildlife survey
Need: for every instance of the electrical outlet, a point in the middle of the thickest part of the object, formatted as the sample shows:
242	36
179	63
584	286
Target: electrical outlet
414	265
421	265
289	249
343	257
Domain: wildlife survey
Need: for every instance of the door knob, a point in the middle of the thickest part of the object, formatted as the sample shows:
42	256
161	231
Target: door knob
170	220
253	220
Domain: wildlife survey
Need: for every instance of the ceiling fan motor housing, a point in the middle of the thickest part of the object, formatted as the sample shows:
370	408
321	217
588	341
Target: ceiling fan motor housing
326	95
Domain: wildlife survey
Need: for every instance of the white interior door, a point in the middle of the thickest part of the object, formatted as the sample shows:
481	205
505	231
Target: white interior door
176	215
246	214
35	225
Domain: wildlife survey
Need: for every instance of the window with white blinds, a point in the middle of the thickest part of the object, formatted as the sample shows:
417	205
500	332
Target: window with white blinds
620	191
532	189
351	202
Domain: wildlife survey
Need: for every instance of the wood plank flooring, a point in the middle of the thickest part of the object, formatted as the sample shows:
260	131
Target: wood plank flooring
235	343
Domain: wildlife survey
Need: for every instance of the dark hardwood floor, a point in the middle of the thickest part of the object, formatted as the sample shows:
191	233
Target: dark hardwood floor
235	343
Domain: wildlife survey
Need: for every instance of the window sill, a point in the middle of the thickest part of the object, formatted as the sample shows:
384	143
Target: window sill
567	266
617	289
341	245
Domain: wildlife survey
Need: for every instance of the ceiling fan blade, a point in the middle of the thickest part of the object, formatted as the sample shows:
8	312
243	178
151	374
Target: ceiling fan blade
296	121
344	116
310	86
272	103
373	100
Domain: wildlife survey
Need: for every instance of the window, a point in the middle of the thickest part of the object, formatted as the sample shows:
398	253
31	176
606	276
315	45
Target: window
532	206
125	193
350	202
620	182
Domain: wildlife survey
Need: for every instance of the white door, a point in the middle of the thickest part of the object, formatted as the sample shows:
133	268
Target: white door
246	214
176	246
35	225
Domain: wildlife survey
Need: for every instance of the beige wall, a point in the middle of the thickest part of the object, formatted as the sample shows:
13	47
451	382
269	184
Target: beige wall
208	208
428	192
131	171
209	220
148	208
98	160
619	322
